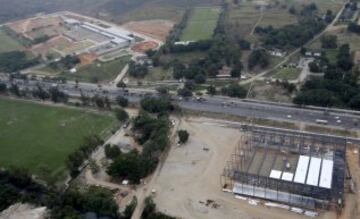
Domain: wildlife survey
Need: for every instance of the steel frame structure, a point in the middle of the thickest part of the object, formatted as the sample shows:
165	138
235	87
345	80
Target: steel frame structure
236	173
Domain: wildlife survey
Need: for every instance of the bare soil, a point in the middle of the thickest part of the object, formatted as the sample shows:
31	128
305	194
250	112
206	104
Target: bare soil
158	29
87	58
144	46
191	176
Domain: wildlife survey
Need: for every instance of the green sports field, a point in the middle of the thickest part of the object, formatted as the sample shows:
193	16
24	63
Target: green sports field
99	71
7	43
39	138
201	24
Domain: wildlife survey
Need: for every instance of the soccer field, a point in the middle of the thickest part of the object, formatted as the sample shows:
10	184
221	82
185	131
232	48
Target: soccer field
201	24
39	138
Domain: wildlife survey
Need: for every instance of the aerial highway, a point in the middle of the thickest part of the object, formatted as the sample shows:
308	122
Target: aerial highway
215	104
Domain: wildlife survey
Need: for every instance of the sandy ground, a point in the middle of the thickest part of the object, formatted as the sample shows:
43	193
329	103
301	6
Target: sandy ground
191	175
145	46
20	211
87	58
159	29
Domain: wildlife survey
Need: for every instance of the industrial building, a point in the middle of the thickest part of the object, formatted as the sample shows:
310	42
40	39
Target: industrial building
106	39
294	168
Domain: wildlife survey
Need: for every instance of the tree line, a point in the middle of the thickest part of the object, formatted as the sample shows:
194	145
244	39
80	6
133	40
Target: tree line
151	128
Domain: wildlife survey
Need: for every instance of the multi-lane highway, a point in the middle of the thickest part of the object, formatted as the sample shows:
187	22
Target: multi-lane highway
217	104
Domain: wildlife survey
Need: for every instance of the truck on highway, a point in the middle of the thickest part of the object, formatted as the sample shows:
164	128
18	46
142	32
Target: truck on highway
321	121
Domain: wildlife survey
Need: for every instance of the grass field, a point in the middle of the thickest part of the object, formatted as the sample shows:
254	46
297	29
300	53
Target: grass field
39	138
343	37
184	57
242	19
201	24
277	17
287	74
323	5
7	43
99	71
158	74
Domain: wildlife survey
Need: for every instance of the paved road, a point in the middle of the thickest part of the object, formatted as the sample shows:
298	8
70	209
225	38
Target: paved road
218	104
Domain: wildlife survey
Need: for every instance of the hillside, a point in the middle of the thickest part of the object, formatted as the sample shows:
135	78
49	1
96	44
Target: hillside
115	10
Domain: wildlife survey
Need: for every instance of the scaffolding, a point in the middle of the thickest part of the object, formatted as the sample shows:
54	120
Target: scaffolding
265	151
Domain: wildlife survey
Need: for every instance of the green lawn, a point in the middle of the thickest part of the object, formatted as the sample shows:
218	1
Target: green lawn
158	74
39	138
184	57
201	24
331	55
7	43
99	71
287	74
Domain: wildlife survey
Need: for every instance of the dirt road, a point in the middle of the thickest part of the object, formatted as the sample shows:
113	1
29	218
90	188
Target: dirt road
146	190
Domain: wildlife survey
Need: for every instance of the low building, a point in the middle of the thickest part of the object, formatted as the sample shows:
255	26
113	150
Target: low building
225	72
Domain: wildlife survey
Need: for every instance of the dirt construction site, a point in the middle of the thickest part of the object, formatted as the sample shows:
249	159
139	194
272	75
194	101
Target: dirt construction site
189	184
158	29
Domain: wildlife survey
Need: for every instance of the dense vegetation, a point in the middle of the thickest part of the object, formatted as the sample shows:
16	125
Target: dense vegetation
137	70
67	63
290	36
77	158
338	87
152	133
15	61
150	211
219	51
18	186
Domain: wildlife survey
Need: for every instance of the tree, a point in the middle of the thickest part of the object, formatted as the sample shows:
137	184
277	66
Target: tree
156	105
149	209
129	166
162	90
234	90
258	57
14	89
57	96
314	67
200	78
3	87
329	16
344	60
128	212
189	84
121	84
211	90
121	115
329	42
112	151
137	70
122	101
183	136
15	60
184	92
245	45
292	10
99	101
353	27
236	71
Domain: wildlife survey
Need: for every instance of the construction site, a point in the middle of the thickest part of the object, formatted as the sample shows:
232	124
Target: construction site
293	168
